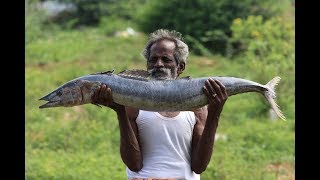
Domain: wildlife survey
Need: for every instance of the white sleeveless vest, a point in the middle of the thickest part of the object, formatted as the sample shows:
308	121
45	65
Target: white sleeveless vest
166	146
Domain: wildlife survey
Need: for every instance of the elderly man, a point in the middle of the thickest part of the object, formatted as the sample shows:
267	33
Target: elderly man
167	145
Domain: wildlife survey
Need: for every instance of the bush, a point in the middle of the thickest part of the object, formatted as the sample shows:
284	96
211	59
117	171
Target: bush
90	13
269	41
208	21
35	26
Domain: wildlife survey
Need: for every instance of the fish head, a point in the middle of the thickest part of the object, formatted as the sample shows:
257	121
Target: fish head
72	93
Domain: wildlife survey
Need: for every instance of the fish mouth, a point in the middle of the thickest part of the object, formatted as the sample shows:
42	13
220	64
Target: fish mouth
50	103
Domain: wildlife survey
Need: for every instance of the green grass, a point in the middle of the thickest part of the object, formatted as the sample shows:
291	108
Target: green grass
83	142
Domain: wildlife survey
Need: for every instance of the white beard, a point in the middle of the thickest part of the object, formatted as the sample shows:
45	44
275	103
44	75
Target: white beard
163	73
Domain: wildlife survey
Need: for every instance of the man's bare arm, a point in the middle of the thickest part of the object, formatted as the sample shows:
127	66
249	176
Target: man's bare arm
206	125
129	142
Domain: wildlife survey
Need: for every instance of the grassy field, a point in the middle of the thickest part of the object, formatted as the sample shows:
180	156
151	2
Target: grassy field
83	142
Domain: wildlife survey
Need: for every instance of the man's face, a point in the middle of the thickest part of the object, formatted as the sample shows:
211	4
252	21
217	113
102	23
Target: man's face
161	63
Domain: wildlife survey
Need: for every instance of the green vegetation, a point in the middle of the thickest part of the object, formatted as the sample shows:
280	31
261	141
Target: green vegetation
82	142
205	22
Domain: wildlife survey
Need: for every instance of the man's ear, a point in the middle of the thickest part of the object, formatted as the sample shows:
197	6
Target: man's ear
181	67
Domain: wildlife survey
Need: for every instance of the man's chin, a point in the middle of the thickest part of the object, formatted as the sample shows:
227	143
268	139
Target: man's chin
160	77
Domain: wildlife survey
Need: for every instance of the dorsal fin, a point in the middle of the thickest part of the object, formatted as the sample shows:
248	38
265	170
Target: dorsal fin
135	74
105	72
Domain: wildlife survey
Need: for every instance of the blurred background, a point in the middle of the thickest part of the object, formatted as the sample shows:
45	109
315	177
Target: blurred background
249	39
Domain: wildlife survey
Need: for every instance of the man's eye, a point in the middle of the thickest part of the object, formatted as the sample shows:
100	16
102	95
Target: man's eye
152	60
167	60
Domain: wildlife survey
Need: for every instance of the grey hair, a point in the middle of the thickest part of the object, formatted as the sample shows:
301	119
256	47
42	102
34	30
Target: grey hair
182	50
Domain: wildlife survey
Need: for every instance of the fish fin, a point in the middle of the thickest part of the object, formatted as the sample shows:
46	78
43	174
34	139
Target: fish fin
271	95
185	77
105	72
273	82
97	105
135	74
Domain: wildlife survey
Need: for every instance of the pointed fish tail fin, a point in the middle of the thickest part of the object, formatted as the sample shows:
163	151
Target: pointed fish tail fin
271	96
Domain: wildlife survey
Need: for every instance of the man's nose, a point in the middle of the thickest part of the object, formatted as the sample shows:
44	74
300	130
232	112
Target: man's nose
159	63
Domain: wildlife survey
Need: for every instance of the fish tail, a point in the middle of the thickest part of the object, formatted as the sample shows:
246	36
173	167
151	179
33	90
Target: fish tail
271	96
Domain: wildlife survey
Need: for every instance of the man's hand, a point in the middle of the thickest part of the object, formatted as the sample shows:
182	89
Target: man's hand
207	123
217	95
103	96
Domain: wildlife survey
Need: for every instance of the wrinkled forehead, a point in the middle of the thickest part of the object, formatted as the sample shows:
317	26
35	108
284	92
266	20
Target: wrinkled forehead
163	45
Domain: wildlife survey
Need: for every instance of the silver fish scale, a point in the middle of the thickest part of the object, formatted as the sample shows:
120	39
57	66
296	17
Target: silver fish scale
165	95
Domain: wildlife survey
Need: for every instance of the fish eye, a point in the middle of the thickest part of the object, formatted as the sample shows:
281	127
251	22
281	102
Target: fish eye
59	93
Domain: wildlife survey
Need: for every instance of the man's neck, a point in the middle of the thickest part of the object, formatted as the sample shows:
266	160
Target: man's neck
169	114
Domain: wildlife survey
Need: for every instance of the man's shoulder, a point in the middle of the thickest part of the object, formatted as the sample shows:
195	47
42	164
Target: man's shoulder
201	113
200	110
132	112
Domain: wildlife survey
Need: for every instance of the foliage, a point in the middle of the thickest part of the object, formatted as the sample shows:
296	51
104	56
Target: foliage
123	9
205	20
90	13
111	25
84	13
269	41
35	26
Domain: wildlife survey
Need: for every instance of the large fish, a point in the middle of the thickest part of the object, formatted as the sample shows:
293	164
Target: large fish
134	88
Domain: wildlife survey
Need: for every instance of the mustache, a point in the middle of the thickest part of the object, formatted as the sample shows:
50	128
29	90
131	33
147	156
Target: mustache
160	72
